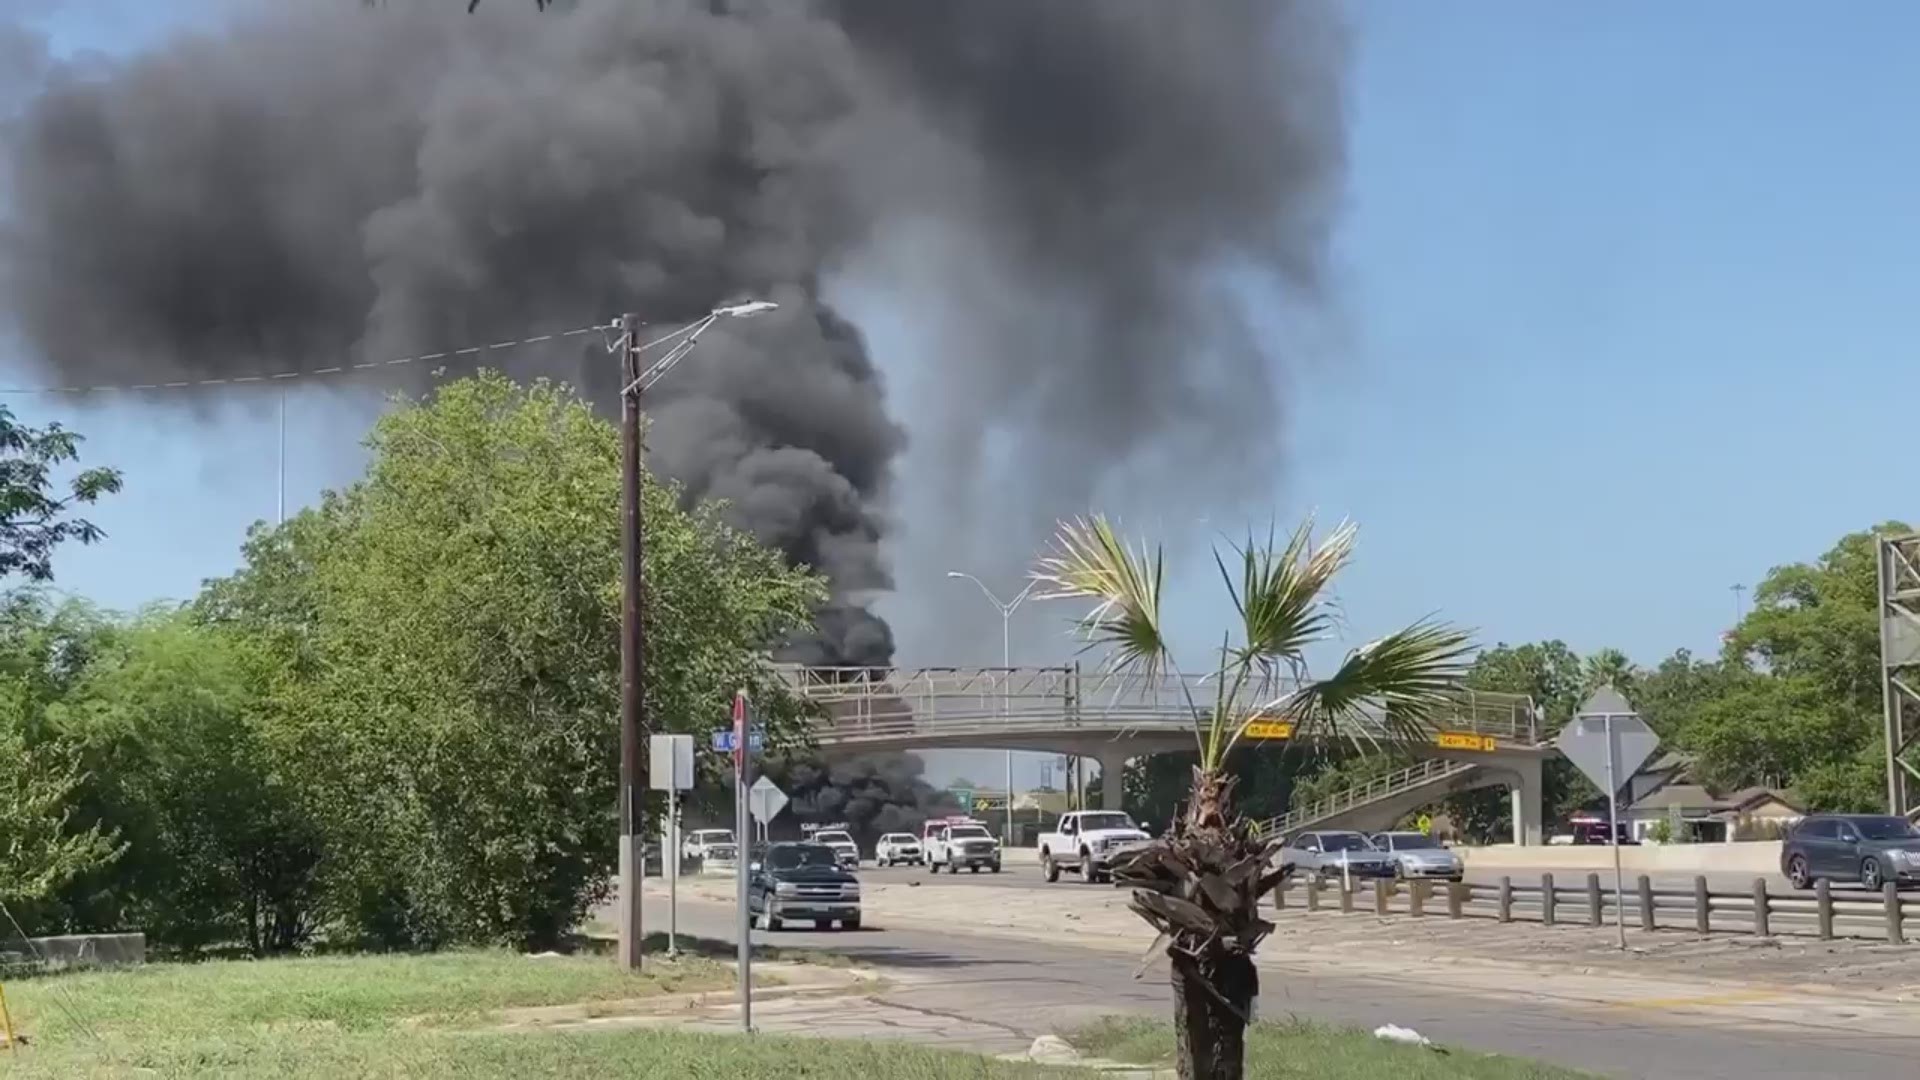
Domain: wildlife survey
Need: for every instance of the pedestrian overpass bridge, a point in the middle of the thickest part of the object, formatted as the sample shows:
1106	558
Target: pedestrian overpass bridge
1481	740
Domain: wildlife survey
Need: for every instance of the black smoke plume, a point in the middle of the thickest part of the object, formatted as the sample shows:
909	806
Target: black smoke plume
872	793
1079	191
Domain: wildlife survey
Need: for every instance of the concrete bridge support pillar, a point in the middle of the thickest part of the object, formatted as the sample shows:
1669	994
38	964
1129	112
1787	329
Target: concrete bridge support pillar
1113	769
1528	803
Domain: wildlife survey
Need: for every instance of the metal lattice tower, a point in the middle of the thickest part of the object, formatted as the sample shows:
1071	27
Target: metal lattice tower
1900	666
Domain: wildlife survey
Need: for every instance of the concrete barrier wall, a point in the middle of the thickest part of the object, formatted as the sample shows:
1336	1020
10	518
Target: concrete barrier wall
1749	857
82	950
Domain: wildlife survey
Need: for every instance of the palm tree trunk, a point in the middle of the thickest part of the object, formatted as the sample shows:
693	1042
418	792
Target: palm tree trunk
1211	1038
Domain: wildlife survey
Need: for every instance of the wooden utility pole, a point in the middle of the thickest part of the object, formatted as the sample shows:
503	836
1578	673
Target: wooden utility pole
633	650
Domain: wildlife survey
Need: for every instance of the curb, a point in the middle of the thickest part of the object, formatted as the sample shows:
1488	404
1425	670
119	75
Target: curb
827	982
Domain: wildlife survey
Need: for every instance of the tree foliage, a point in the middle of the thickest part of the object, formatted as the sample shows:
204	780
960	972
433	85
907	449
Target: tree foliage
396	723
448	633
36	511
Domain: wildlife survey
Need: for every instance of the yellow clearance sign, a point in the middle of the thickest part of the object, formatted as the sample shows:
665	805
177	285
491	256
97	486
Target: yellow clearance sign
1463	740
1269	729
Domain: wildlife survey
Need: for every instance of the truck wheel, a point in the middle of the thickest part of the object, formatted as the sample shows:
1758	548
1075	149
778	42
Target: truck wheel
953	868
996	868
772	923
973	868
1087	873
850	924
823	924
932	867
1049	868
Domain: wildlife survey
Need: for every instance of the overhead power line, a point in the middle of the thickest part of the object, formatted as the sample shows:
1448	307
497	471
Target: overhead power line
308	373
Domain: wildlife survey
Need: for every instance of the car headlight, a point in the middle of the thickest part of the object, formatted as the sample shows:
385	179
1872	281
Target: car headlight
850	892
785	888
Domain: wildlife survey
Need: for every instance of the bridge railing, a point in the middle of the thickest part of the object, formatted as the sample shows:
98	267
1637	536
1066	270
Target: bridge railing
899	702
1393	783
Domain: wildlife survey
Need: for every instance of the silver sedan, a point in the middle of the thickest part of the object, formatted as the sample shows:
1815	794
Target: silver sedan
1417	855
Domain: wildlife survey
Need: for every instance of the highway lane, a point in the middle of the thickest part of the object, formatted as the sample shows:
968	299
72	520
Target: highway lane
1022	989
1024	875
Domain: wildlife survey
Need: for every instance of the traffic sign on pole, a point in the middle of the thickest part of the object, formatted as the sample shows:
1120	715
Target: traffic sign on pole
766	800
723	741
1609	742
1606	722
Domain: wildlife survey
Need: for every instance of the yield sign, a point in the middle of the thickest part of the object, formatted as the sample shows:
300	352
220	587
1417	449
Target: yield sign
765	799
1607	740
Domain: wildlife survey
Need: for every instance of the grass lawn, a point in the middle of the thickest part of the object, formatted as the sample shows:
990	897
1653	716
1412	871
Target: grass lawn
424	1016
1277	1050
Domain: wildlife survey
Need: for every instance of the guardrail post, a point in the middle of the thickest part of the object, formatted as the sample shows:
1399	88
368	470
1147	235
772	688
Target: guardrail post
1646	903
1506	898
1380	894
1280	893
1891	892
1417	896
1702	907
1546	899
1761	925
1313	895
1456	898
1823	908
1593	900
1346	898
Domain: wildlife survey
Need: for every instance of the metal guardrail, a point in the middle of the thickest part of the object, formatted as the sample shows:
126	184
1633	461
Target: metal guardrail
891	703
1882	916
1385	787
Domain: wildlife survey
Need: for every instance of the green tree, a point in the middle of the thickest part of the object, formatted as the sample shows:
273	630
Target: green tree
1200	885
447	636
1669	695
1610	667
1556	678
1797	699
48	839
43	849
34	518
168	719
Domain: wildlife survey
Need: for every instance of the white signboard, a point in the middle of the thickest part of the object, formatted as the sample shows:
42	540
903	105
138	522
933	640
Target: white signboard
670	762
766	800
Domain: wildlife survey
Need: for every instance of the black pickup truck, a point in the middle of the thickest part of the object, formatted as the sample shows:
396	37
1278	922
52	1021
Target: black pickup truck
793	882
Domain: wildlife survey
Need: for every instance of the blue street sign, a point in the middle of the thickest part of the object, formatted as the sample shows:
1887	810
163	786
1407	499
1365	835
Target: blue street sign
723	741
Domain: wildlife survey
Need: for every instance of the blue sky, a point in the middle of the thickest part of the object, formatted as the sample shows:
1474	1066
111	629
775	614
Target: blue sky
1621	293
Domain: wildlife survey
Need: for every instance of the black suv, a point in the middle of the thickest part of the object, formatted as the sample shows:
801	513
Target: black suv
1871	849
802	881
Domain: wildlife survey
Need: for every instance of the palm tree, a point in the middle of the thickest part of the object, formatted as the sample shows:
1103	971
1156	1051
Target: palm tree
1610	667
1201	884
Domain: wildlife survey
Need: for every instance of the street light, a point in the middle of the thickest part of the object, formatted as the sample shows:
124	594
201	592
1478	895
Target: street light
633	643
1006	661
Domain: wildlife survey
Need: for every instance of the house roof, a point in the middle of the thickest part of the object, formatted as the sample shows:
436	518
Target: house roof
1684	796
1696	797
1749	797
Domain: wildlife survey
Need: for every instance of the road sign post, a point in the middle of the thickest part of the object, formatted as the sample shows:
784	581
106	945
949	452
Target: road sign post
743	860
670	768
1609	742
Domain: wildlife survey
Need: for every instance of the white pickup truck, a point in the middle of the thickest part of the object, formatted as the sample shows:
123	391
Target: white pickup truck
957	842
1087	840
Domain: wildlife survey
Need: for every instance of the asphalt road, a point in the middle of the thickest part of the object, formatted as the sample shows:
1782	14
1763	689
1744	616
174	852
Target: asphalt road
1027	876
1020	990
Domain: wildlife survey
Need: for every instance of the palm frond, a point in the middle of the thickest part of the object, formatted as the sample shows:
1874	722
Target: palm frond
1280	594
1394	688
1089	561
